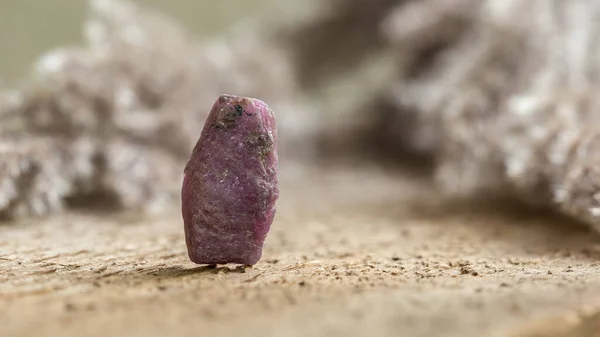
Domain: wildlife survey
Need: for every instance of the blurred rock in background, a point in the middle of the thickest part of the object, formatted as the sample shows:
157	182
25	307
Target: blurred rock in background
497	97
503	98
119	115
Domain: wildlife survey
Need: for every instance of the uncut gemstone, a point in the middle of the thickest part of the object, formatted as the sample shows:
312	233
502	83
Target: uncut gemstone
230	185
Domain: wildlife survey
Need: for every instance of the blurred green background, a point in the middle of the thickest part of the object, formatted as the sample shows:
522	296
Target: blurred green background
31	27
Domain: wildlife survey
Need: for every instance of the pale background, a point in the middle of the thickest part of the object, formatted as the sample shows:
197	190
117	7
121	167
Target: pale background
31	27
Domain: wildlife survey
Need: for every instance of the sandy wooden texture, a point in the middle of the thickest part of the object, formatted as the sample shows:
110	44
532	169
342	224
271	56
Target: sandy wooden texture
355	250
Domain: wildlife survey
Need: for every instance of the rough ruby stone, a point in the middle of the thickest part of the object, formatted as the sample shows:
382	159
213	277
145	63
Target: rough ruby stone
230	185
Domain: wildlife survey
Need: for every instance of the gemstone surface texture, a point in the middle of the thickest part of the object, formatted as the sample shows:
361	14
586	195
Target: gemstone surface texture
230	184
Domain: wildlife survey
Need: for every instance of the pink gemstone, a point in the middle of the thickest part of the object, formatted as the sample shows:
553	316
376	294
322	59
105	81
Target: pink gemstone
230	186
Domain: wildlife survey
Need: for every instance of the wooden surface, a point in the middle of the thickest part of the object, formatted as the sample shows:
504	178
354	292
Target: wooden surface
351	253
